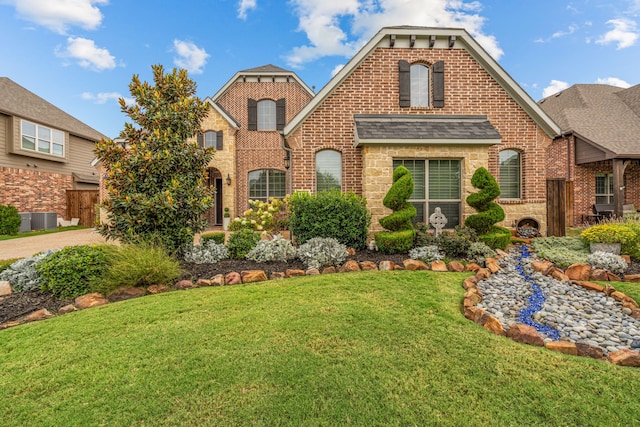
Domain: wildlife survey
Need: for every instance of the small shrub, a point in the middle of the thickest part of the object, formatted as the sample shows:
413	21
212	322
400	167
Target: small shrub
424	236
5	263
479	252
137	265
489	212
396	242
241	242
627	234
276	249
10	220
263	216
209	252
343	217
496	238
217	236
607	261
452	244
23	275
562	251
67	272
322	252
426	253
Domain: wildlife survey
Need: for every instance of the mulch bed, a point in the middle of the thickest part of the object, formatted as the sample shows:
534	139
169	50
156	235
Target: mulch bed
18	304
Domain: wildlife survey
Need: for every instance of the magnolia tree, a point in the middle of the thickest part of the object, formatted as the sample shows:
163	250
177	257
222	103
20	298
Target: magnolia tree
155	177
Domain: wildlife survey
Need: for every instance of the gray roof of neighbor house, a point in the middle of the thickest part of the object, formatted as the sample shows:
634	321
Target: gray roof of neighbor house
18	101
419	129
604	115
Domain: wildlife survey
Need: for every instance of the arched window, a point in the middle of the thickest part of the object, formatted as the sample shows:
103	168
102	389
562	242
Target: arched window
510	175
328	170
266	114
419	85
266	183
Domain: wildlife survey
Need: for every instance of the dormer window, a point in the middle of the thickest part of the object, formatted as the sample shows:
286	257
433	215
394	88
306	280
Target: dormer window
266	114
421	85
419	76
42	139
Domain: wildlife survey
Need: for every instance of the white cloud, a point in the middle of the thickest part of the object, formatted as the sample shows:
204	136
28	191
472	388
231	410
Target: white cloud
59	15
244	6
87	54
337	69
613	81
190	57
572	29
555	87
341	28
104	97
624	33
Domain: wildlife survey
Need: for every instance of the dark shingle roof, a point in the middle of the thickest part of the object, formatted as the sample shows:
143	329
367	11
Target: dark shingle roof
606	115
18	101
434	129
265	69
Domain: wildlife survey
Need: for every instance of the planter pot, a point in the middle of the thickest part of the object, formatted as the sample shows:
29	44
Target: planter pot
225	223
612	248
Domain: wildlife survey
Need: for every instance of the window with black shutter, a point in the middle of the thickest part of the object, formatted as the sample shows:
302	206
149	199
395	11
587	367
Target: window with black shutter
219	140
252	114
404	81
281	113
438	84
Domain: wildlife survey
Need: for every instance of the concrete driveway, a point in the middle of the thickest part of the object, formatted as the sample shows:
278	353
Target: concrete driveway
28	246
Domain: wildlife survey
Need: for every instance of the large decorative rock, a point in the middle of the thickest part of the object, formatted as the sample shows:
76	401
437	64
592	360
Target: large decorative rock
278	275
386	265
590	286
349	266
625	357
5	288
41	314
10	324
565	347
122	294
483	273
525	334
294	273
470	282
578	272
312	272
472	266
351	251
329	270
439	266
474	295
414	264
368	266
253	276
613	277
558	274
217	280
592	351
492	266
203	282
158	289
632	278
233	278
599	275
541	266
476	315
69	308
90	300
456	266
493	325
185	284
608	290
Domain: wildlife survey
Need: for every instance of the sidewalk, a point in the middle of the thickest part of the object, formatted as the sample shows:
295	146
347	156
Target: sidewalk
28	246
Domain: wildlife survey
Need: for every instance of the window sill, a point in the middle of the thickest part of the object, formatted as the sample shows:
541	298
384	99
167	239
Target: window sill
511	201
37	155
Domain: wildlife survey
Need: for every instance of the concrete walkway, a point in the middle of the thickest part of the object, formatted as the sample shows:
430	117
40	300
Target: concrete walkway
27	246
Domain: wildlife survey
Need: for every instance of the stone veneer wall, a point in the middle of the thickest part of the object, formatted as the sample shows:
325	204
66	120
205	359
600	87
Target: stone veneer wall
373	89
34	191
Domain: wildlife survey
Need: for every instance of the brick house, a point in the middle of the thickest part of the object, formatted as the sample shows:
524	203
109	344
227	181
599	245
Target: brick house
44	153
245	124
433	100
598	152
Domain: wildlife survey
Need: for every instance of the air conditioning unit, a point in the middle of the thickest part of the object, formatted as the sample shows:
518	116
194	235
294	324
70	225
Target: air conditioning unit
25	225
44	220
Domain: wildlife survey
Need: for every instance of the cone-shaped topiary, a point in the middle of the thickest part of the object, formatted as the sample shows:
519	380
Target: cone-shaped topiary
400	236
489	212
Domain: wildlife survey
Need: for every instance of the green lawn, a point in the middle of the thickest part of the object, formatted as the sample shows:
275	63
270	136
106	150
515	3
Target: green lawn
40	232
367	349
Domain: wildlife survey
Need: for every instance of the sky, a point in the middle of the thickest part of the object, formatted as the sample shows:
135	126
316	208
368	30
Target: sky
81	55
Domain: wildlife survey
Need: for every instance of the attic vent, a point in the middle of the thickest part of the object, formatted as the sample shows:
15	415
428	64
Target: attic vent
412	40
392	40
432	41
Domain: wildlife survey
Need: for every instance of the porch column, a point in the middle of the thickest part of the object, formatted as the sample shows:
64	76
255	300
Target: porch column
619	166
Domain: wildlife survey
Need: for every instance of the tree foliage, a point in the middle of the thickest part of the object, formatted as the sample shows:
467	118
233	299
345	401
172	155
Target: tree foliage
155	179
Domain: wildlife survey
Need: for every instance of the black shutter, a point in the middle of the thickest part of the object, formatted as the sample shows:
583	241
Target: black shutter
252	114
200	140
404	83
281	113
438	84
219	140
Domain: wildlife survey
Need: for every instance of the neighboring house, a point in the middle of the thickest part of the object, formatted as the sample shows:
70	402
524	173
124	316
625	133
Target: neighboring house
245	124
45	154
433	100
598	153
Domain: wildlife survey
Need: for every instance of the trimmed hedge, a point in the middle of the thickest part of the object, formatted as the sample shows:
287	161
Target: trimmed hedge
10	220
489	212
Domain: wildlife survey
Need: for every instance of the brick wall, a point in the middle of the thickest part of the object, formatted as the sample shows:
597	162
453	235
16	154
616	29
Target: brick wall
34	191
259	149
373	89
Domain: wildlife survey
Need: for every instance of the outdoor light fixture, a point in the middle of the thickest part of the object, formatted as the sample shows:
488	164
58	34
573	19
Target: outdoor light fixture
287	161
228	179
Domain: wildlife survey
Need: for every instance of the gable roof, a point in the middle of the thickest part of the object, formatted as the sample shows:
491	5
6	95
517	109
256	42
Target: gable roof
606	116
18	101
267	71
224	113
429	36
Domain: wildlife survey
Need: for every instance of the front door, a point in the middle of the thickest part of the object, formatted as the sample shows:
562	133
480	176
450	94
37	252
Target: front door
214	183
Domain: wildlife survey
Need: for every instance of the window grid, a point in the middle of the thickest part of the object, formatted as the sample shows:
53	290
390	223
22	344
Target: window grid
266	115
42	139
266	183
328	170
419	76
604	189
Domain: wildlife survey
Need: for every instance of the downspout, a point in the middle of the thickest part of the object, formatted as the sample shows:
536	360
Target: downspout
289	170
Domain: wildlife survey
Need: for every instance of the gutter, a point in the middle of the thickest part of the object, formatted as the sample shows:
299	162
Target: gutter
289	154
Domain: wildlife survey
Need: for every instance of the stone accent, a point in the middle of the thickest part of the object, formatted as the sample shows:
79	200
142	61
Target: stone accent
294	273
578	272
329	270
203	282
90	300
439	266
414	264
217	280
565	347
233	278
625	358
368	266
122	294
252	276
386	265
41	314
525	334
312	272
349	266
69	308
185	284
158	289
456	266
493	325
5	288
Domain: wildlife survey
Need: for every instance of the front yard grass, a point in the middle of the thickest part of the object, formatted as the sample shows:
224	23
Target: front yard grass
370	349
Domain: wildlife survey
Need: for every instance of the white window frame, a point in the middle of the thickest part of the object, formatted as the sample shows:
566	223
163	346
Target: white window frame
502	178
267	114
329	162
45	139
608	194
419	75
